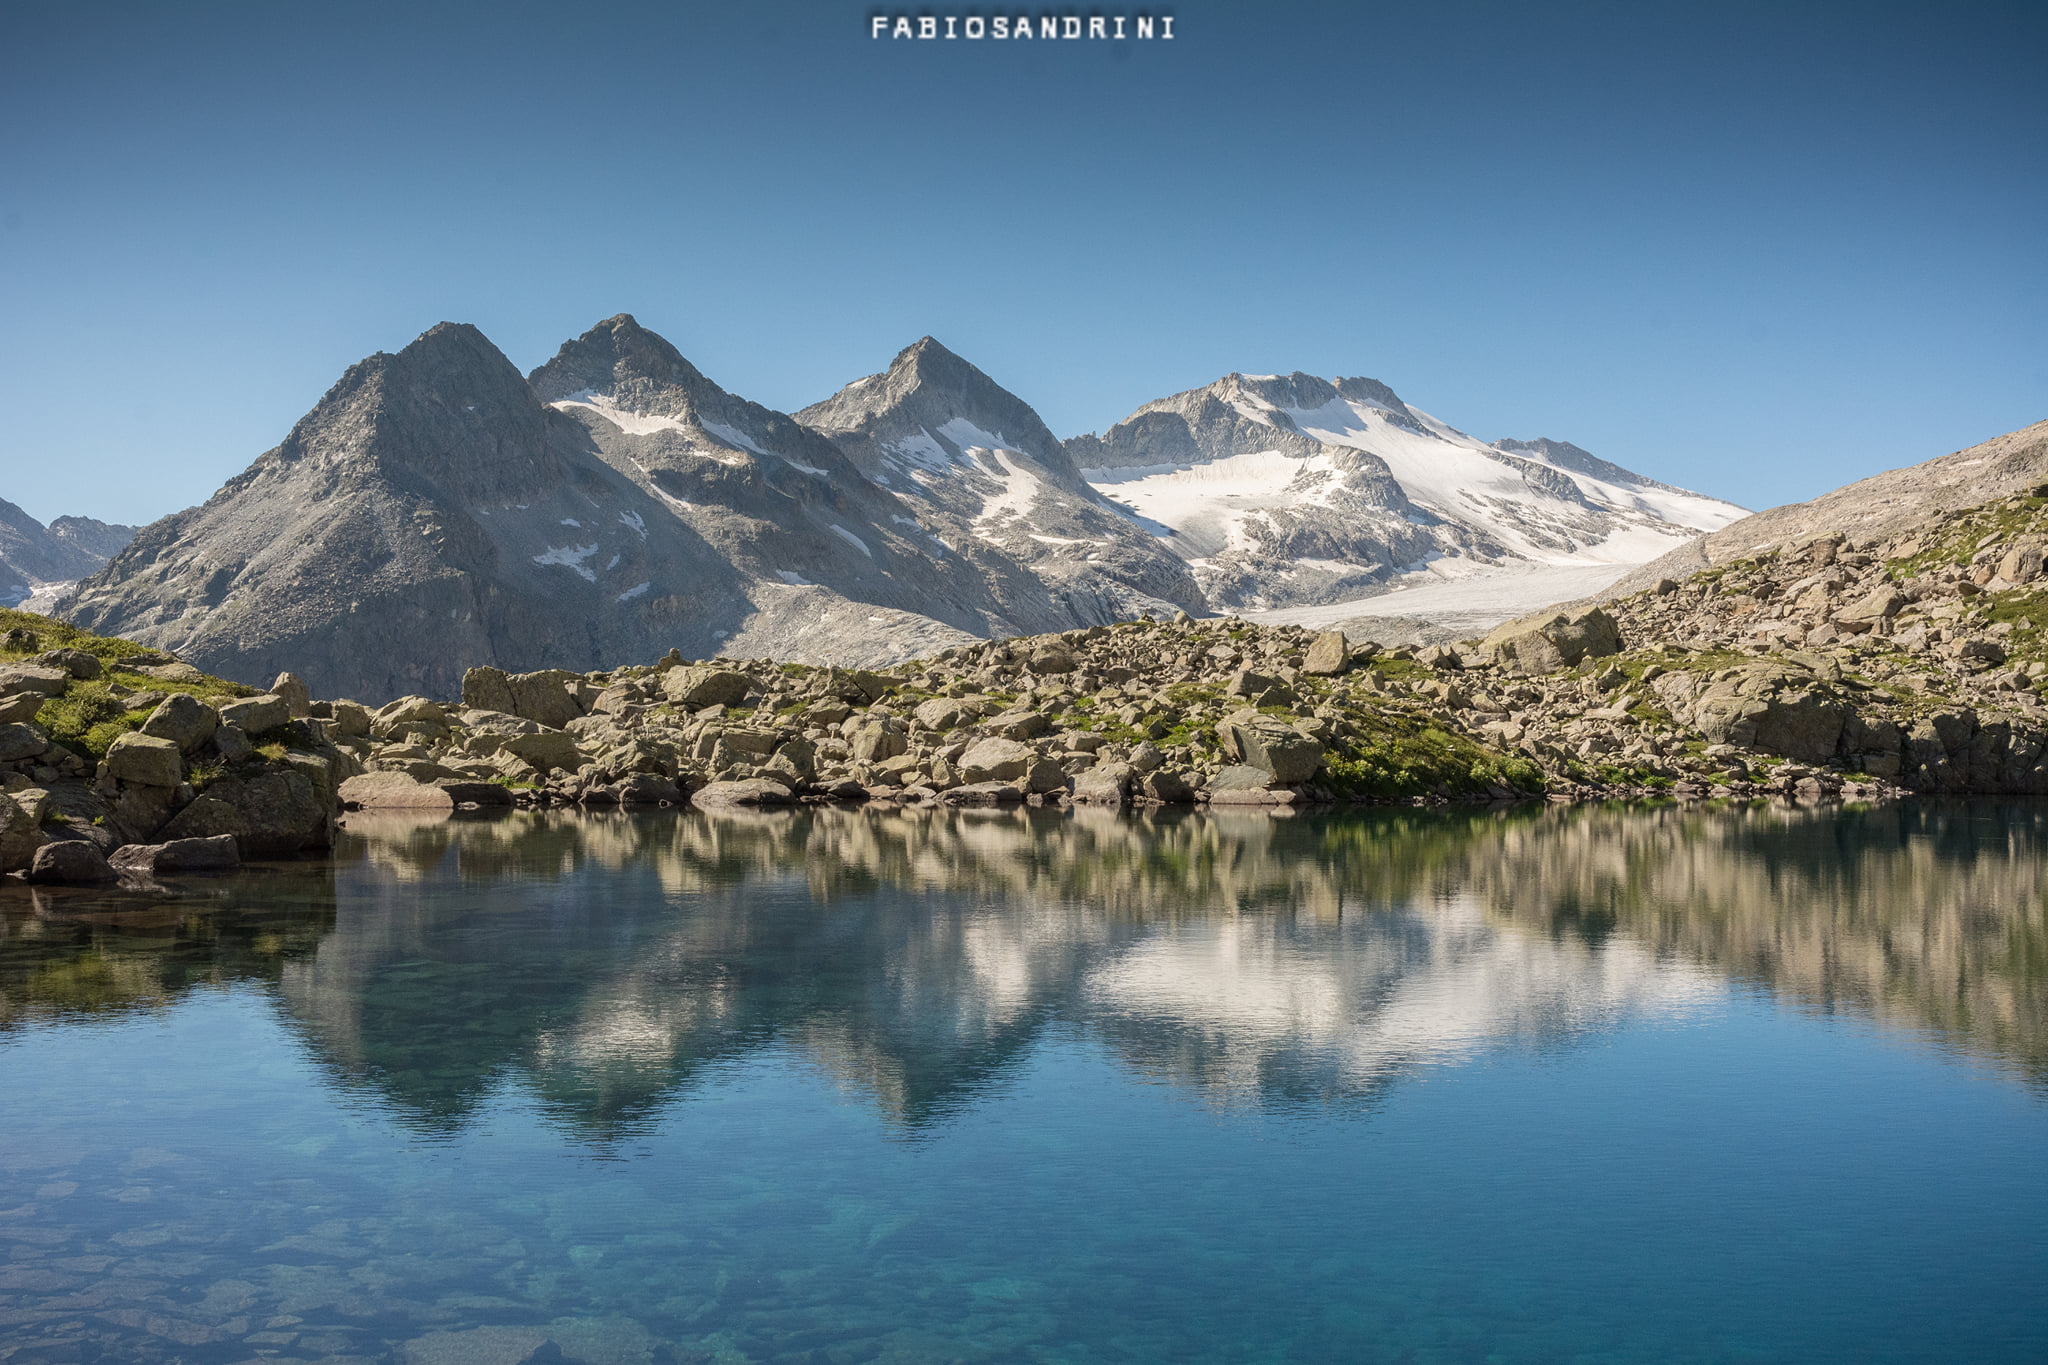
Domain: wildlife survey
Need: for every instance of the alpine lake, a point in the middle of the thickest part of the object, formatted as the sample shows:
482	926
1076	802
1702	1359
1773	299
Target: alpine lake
1529	1084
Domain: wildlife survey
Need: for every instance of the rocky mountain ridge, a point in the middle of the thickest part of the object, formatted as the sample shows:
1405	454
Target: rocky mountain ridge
41	561
438	510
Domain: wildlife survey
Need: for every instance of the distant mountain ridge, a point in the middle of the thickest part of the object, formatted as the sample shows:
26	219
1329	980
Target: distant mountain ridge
1292	490
437	510
36	559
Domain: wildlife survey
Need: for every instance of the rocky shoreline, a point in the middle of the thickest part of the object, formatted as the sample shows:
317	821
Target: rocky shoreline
1823	670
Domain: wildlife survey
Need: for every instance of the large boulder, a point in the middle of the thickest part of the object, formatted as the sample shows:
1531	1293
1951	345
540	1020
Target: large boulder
21	741
499	723
545	749
749	739
1536	645
51	682
983	794
875	742
994	760
231	742
487	689
298	698
467	793
184	720
1876	605
79	664
1044	777
1105	784
1168	786
133	812
1018	725
940	713
2022	563
699	686
147	760
1053	658
408	710
255	715
74	862
217	854
647	789
269	814
550	696
1243	785
20	706
351	719
393	791
1328	656
1771	706
1273	747
754	791
20	835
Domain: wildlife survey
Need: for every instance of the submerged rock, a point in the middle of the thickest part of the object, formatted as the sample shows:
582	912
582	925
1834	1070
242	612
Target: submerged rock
217	854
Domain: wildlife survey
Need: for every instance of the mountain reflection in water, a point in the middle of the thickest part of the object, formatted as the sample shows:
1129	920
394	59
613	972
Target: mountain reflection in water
609	963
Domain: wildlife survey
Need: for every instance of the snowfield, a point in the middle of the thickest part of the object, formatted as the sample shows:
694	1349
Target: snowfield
1512	529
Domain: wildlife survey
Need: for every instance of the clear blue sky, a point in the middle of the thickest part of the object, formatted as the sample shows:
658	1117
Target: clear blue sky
1757	250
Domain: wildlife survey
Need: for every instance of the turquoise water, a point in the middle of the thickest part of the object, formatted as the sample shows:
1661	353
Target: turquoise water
1549	1085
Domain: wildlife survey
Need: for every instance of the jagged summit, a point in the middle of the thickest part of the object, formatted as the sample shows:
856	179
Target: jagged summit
618	357
928	409
437	510
940	432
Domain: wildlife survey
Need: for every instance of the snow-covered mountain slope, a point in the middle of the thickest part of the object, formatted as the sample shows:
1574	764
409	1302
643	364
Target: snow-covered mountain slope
951	442
1293	491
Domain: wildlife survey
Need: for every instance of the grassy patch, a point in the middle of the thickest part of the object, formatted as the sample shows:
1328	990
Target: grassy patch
112	652
1393	666
1396	754
88	718
54	634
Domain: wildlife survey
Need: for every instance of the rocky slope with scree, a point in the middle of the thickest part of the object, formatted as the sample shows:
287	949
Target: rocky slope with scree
1833	665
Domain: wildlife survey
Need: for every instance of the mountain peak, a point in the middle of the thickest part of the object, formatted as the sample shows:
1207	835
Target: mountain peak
928	386
1296	390
928	361
617	352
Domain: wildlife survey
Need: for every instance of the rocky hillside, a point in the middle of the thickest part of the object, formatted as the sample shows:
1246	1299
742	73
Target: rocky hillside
119	762
38	560
1290	490
1836	668
1878	508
